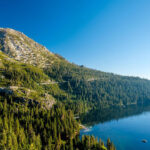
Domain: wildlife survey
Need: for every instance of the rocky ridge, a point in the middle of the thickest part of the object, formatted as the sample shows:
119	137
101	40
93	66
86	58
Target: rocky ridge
18	46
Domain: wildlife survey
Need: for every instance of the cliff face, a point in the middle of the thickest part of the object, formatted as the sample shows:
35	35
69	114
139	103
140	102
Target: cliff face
18	46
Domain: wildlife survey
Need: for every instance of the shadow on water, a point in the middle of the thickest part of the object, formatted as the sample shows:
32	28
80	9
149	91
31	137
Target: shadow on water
103	115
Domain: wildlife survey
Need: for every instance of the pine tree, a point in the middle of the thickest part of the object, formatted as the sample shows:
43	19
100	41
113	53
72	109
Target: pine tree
70	144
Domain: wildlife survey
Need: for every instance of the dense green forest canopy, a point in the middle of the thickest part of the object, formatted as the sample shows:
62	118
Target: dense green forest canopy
26	123
95	89
23	127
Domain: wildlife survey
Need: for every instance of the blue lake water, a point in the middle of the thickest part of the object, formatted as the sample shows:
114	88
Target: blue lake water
126	133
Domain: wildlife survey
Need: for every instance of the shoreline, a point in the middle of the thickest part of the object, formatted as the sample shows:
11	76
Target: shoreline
83	126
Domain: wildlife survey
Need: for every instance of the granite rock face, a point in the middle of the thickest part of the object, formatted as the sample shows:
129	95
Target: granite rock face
18	46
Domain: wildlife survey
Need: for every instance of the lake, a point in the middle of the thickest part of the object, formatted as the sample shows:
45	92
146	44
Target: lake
126	132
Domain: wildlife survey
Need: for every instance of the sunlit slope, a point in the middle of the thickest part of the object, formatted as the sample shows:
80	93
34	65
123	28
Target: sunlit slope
23	82
79	87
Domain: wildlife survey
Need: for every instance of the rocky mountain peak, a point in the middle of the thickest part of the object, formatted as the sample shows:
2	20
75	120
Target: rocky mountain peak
20	47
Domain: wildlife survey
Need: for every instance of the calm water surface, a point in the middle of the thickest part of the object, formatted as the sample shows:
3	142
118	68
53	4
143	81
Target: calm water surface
126	133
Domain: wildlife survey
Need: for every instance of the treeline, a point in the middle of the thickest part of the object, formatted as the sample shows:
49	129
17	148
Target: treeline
34	128
90	89
117	92
96	116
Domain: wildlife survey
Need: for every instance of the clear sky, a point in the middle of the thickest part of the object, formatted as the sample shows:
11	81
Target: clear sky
108	35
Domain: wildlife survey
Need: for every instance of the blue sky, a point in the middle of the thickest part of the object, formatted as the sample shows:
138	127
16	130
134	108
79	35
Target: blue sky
108	35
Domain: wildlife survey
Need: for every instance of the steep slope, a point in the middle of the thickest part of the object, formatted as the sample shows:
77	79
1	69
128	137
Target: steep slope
23	82
24	49
25	90
24	124
18	46
80	88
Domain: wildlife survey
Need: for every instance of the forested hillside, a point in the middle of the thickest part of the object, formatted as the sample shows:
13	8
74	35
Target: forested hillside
31	118
40	92
78	87
34	128
91	89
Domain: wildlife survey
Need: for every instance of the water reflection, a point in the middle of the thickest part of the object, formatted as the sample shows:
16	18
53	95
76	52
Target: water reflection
108	114
126	127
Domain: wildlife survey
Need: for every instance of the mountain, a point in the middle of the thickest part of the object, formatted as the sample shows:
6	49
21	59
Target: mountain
79	88
34	114
18	46
40	92
23	49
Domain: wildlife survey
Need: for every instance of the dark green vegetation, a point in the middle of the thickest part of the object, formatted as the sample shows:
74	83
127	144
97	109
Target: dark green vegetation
24	127
19	74
90	89
23	82
31	75
26	122
103	115
79	88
